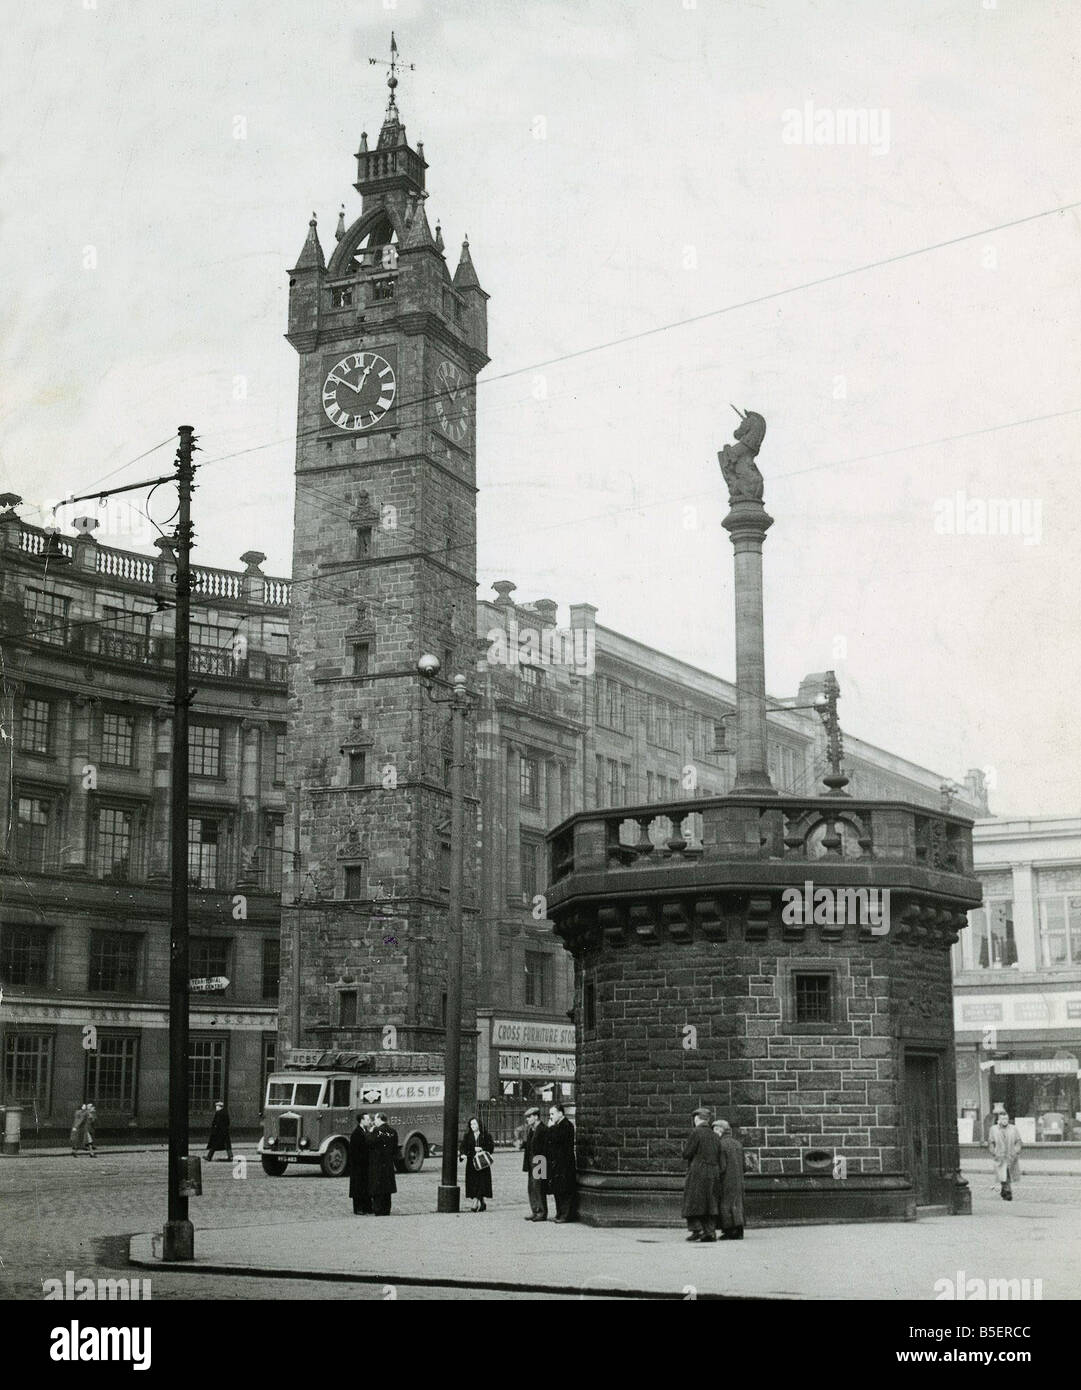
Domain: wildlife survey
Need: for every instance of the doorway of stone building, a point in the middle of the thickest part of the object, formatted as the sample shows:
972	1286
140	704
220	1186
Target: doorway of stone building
923	1122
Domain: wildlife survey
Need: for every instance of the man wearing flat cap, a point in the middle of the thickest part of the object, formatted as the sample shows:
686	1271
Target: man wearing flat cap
535	1165
702	1187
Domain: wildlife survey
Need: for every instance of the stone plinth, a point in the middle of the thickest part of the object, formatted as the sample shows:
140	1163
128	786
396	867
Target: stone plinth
693	986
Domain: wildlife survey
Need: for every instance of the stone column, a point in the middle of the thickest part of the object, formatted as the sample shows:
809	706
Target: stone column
160	866
747	524
249	860
73	857
1026	926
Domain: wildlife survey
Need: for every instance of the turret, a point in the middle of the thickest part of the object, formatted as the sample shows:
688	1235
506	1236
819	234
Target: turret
305	291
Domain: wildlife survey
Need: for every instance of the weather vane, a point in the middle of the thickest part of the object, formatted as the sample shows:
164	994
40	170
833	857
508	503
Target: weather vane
395	67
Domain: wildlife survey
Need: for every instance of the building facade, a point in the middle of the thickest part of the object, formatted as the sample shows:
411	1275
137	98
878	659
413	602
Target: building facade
1017	981
87	638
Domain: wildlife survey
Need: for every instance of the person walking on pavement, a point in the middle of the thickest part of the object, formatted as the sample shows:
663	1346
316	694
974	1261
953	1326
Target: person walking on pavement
382	1153
82	1130
219	1137
562	1170
1005	1145
702	1185
731	1182
535	1165
358	1166
477	1148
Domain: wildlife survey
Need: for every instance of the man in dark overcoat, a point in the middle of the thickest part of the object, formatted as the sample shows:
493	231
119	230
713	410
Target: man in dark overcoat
702	1186
731	1182
382	1152
562	1169
358	1166
535	1164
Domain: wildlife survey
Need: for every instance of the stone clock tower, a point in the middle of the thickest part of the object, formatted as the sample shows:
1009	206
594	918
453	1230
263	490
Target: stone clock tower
384	567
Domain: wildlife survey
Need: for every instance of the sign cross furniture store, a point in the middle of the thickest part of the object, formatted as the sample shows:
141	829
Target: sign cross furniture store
557	1064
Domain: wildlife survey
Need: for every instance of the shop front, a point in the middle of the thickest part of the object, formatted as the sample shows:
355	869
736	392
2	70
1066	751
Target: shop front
1040	1094
529	1062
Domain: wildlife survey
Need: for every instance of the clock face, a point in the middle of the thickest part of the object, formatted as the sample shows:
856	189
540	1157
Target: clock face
359	391
452	402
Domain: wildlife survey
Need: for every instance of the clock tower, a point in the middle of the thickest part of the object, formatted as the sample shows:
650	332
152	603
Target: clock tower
384	569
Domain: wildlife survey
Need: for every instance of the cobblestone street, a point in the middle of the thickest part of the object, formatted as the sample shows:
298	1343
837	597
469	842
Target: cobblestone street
59	1214
62	1213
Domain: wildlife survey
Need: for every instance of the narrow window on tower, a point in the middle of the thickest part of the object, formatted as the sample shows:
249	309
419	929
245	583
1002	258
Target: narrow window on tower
813	998
358	769
444	865
364	542
590	1002
361	654
342	297
347	1008
356	881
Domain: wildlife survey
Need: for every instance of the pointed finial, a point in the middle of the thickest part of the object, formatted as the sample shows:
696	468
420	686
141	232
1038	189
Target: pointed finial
314	222
439	245
341	224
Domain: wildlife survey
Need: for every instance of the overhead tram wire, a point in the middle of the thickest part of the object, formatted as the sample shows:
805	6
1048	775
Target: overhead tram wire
694	318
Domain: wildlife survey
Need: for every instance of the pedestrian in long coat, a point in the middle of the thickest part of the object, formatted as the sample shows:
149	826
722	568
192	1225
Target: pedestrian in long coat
731	1182
358	1166
82	1129
382	1153
478	1181
702	1186
535	1165
219	1137
1004	1142
562	1169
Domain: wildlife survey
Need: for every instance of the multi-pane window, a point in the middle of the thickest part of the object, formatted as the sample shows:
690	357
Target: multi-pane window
341	297
209	960
111	1071
662	723
358	768
529	781
356	881
113	840
114	962
600	780
272	953
35	726
47	615
206	1071
204	751
991	939
813	998
273	853
123	636
279	757
1060	930
612	704
720	736
270	1054
530	862
117	739
538	979
28	1066
24	955
32	833
531	675
651	786
203	838
210	635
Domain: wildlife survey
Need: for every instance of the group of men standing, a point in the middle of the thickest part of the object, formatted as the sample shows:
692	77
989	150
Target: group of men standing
549	1164
713	1190
373	1149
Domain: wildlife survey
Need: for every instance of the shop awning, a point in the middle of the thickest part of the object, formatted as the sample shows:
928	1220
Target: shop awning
1063	1066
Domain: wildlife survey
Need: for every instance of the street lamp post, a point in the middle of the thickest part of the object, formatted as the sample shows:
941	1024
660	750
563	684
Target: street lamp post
459	700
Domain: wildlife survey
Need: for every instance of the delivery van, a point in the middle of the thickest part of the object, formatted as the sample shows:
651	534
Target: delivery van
312	1103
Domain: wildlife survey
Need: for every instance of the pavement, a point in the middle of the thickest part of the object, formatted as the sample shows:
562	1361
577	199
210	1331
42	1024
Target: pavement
1038	1236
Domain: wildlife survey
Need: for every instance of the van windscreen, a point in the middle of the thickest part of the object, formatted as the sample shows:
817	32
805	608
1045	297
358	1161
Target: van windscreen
307	1093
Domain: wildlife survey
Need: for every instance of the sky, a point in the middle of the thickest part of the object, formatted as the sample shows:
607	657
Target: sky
620	169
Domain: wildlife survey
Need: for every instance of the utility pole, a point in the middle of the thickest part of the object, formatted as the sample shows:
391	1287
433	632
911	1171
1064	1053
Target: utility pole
178	1237
448	1198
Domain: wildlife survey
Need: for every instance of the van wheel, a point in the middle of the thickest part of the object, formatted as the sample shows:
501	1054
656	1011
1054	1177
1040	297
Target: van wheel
274	1167
336	1159
413	1154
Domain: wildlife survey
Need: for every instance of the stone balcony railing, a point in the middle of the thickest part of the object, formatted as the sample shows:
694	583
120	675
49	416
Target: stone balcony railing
748	843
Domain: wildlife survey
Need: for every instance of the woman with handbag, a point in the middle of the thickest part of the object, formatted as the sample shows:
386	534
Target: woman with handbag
477	1148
